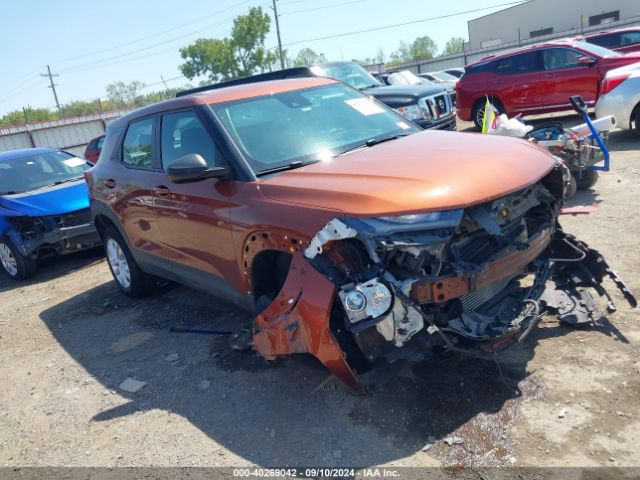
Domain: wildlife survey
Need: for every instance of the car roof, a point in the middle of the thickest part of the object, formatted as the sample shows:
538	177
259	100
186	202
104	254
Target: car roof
25	152
226	94
529	48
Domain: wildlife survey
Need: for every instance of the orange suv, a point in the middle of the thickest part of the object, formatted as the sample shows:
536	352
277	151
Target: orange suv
350	234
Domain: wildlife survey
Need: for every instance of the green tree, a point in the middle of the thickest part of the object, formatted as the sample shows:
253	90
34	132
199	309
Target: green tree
123	94
454	45
240	55
307	56
422	48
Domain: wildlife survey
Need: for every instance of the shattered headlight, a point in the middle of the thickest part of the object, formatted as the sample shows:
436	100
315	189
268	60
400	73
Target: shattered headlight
410	112
370	299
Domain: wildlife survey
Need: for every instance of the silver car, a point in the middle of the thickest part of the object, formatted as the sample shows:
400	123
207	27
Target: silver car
620	97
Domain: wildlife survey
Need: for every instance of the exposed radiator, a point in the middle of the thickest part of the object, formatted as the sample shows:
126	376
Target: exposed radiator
479	297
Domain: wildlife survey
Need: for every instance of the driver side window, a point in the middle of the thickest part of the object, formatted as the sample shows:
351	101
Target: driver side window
182	133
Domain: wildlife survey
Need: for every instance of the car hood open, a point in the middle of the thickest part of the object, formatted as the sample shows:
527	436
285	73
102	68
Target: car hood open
54	200
426	171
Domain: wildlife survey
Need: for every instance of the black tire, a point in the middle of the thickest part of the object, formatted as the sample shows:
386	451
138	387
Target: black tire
637	119
478	111
16	265
587	179
573	186
139	283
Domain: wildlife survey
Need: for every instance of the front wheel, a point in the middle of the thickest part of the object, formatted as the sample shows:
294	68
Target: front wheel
587	179
17	265
126	272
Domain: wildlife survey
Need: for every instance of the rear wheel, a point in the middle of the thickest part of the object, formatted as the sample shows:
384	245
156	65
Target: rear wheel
478	111
126	272
587	179
17	266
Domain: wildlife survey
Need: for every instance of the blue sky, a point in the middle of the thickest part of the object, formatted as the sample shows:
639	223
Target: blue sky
91	44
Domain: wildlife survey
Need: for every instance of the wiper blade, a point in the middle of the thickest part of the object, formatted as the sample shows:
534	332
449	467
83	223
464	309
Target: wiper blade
10	192
282	168
374	141
60	182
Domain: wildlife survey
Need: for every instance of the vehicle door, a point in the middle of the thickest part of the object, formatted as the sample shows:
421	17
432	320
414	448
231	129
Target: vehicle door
517	81
568	75
194	216
129	185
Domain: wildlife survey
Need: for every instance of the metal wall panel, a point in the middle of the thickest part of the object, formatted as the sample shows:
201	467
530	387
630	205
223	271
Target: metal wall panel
14	142
68	135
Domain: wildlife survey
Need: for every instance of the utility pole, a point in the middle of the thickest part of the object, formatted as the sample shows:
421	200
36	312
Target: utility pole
52	86
275	14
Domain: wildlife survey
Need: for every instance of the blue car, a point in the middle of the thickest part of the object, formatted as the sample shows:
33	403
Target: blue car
44	208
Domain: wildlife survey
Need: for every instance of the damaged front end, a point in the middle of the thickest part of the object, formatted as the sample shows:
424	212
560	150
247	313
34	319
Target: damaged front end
472	280
40	236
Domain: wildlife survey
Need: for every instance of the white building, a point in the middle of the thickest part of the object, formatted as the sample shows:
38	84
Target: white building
537	18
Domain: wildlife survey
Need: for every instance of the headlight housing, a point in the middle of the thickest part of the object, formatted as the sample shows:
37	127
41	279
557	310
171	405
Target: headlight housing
370	299
406	223
410	112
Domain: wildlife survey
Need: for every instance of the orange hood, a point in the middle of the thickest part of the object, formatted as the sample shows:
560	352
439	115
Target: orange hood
427	171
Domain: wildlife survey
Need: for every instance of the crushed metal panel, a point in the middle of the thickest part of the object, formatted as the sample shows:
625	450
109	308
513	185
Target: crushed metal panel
334	230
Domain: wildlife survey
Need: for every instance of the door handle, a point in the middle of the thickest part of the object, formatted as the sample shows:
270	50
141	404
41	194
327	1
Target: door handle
110	183
161	191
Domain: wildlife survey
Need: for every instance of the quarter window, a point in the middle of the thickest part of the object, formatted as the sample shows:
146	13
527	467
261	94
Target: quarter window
182	134
137	145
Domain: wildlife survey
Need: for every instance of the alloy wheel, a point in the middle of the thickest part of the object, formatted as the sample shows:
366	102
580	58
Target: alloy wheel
8	260
118	263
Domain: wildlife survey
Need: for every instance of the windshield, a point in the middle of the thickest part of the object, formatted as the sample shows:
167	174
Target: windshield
23	174
445	77
350	73
307	125
597	50
405	77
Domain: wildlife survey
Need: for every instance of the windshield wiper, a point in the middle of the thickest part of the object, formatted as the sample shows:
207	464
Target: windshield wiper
374	141
57	182
282	168
10	192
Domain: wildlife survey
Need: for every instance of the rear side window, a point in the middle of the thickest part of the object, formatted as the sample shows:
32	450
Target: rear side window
517	64
137	144
606	41
182	134
628	38
559	58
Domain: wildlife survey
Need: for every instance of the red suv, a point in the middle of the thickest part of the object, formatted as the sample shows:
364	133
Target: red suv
624	40
537	79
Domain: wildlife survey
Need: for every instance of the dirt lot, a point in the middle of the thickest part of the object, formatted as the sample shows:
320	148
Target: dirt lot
69	338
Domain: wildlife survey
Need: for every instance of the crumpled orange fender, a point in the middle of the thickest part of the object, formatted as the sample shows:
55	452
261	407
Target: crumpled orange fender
297	321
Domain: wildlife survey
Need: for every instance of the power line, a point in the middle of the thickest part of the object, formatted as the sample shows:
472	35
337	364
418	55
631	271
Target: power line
116	47
53	85
323	7
326	37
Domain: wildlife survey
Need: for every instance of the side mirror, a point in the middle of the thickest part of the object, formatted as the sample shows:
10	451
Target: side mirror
193	168
586	61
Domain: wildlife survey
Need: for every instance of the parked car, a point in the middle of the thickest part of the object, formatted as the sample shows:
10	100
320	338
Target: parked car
620	97
623	40
537	79
93	149
347	231
406	77
44	208
428	106
456	72
439	77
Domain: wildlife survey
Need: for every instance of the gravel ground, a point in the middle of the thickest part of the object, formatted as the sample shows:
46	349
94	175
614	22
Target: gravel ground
68	339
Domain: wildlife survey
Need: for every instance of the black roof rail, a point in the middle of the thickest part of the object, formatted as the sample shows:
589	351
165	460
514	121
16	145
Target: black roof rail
295	72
